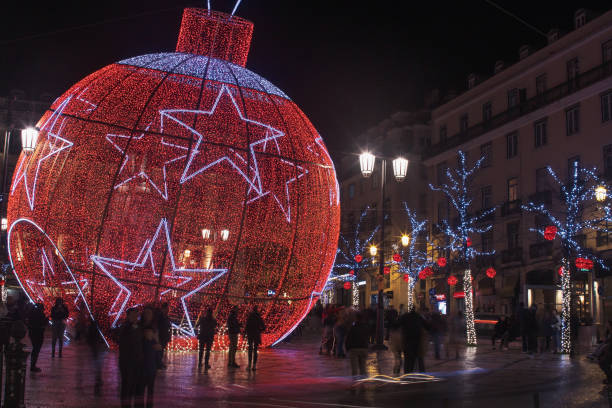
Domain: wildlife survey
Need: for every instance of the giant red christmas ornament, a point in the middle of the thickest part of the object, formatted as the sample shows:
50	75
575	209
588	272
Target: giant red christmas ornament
550	232
182	178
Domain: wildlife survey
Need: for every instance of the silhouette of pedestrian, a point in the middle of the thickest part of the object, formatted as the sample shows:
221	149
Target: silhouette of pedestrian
164	327
151	349
37	322
207	325
131	357
357	341
254	327
98	351
233	329
59	314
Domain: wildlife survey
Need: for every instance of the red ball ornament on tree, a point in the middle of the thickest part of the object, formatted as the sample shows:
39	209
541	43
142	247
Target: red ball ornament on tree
386	270
452	280
182	178
397	258
560	271
347	285
441	262
406	278
358	258
550	232
580	263
423	274
468	242
491	272
352	272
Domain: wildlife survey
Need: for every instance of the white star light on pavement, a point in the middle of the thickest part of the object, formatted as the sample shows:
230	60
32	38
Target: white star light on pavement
133	291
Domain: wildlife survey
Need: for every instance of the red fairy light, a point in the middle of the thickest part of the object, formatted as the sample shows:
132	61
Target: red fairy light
386	270
550	232
441	262
158	152
347	285
358	258
397	258
452	280
491	272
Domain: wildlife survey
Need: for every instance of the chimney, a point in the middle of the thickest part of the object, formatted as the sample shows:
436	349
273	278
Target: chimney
553	35
524	51
498	67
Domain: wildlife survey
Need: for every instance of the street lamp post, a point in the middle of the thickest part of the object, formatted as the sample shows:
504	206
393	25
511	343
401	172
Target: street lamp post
400	168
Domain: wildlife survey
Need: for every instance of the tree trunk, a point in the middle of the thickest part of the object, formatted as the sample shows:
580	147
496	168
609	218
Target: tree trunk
470	330
355	294
566	312
410	302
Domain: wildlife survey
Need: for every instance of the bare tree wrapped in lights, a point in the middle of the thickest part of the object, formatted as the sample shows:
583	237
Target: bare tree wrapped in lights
582	187
351	258
412	257
457	190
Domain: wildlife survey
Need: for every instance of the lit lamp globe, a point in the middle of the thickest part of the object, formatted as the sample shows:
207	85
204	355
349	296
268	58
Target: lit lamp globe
176	155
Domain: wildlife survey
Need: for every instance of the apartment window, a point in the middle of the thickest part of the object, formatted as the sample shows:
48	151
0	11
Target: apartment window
539	133
441	211
463	122
511	145
443	134
441	172
572	120
580	20
351	190
486	194
486	151
513	189
513	98
572	69
512	230
487	111
606	51
606	106
607	160
572	162
540	84
541	179
486	239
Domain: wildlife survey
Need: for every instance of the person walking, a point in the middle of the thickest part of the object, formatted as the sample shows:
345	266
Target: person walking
357	341
254	327
131	358
98	352
438	330
208	326
500	332
36	322
151	349
396	346
532	329
556	330
413	326
456	334
233	330
59	314
523	315
164	332
339	335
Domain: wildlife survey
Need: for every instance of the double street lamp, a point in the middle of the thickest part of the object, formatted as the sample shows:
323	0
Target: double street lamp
400	169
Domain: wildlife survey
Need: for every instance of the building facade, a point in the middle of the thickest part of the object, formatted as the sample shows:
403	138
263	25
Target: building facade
551	108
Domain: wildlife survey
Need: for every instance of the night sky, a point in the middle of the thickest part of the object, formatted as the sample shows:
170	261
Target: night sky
347	64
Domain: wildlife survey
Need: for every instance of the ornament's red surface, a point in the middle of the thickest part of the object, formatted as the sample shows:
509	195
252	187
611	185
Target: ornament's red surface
491	272
176	178
358	258
347	285
550	232
442	262
397	258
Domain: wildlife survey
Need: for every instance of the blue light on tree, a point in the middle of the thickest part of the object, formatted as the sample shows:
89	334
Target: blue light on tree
457	190
569	220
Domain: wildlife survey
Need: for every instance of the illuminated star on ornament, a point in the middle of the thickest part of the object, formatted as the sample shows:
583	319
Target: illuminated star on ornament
277	175
54	144
137	280
141	161
211	144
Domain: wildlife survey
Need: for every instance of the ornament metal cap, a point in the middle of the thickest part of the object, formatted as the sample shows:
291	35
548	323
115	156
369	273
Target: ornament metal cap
215	34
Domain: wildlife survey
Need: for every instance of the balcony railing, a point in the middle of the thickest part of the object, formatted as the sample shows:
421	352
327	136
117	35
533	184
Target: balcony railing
511	207
512	255
541	197
540	249
554	94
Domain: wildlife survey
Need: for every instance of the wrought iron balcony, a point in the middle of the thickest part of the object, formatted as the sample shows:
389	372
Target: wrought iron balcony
552	95
540	249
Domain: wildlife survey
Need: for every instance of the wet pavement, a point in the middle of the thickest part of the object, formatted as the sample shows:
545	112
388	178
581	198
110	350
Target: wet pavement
293	375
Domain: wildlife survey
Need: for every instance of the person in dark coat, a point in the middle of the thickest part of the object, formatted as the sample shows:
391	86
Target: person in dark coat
233	330
357	341
36	322
151	349
438	330
412	325
523	315
207	325
164	328
500	332
59	314
131	359
254	327
532	329
98	350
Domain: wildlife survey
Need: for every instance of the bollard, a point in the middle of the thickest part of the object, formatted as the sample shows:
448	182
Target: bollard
16	358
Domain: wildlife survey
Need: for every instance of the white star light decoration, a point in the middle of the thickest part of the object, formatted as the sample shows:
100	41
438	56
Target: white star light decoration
112	267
